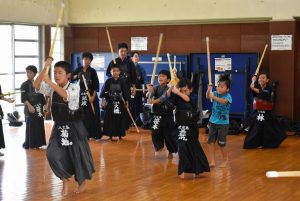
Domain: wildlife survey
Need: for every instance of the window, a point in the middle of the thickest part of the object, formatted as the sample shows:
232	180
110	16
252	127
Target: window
26	52
6	67
20	47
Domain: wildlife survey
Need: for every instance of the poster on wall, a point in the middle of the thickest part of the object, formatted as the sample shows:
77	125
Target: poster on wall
98	61
281	42
139	43
223	64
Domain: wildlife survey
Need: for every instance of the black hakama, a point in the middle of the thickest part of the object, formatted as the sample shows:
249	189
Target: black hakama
265	130
116	94
162	126
192	158
115	119
2	142
35	130
163	121
68	151
75	159
91	120
128	74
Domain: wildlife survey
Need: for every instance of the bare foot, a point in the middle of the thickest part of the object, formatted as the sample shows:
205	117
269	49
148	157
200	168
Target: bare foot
157	152
65	189
170	155
81	188
181	176
212	165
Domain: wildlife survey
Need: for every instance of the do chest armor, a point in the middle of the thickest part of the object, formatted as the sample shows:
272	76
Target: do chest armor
115	92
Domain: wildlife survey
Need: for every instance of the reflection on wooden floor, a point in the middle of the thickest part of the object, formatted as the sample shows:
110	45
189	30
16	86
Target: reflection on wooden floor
130	171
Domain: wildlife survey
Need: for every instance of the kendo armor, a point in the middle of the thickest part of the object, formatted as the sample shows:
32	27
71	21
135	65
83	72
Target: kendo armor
123	71
115	92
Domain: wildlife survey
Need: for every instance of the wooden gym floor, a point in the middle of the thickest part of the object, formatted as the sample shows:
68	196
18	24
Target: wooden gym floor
130	171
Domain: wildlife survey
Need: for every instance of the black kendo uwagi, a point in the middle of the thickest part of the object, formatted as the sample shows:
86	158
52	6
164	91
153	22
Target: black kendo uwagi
91	118
115	97
34	111
192	159
264	128
128	73
163	119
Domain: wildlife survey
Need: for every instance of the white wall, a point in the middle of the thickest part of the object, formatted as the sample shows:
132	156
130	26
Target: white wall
168	11
147	11
30	11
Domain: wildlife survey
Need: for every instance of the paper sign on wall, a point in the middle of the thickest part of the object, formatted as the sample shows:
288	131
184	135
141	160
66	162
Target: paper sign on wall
281	42
223	64
98	61
139	43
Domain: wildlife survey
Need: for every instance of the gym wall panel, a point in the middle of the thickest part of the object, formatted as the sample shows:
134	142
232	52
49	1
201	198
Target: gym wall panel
183	39
85	39
117	35
282	69
255	29
222	37
297	74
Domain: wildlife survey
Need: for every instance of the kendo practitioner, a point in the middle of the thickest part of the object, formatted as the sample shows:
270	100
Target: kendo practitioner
2	142
34	111
90	105
264	128
140	83
162	121
68	151
192	159
127	72
115	96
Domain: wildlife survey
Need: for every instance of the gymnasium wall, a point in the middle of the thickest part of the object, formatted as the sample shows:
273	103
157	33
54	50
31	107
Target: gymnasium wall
297	74
31	11
185	39
174	11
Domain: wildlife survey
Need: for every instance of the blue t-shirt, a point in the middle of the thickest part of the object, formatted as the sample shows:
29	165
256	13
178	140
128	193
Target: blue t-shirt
220	112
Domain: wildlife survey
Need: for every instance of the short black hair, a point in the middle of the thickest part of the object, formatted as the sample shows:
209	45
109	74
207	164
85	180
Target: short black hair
114	65
65	65
185	82
226	79
122	45
133	53
166	73
32	68
264	72
87	55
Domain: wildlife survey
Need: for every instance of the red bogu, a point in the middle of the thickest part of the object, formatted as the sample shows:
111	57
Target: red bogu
260	104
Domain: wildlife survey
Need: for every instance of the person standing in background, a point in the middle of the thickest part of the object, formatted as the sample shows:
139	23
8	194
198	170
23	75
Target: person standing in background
91	117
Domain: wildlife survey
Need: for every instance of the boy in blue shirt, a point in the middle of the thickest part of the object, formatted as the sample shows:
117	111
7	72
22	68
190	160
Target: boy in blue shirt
219	120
